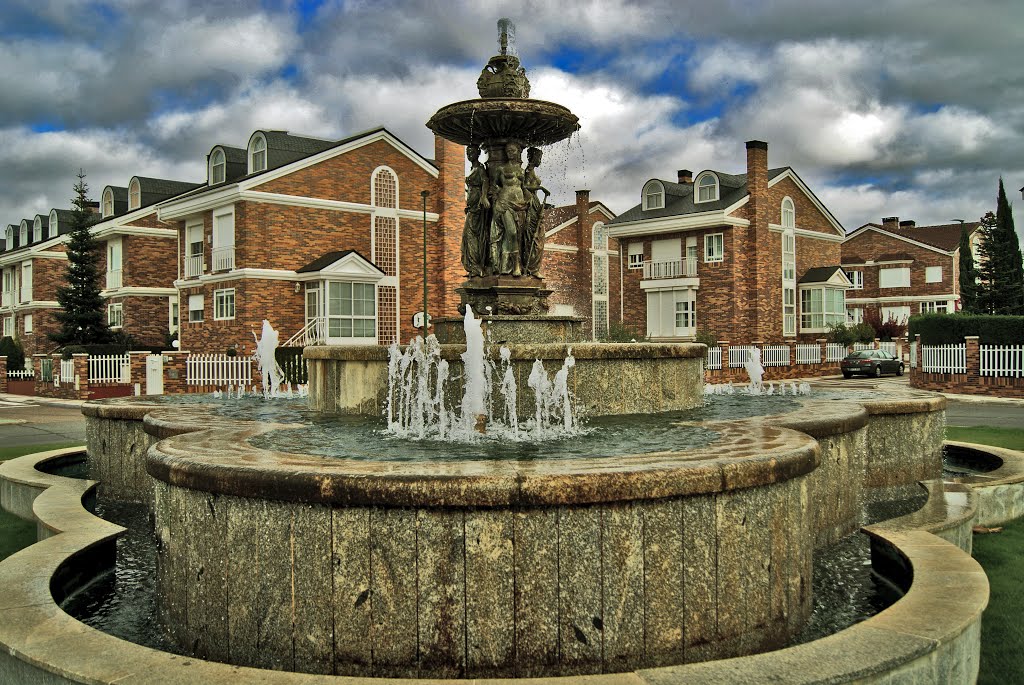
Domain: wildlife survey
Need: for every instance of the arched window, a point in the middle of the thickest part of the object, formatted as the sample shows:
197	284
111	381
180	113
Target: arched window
385	189
134	194
9	238
257	154
108	202
788	213
217	167
23	237
52	228
599	236
788	278
707	188
654	195
37	229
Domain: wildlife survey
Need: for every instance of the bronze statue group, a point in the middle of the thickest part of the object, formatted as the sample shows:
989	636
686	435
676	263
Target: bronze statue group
503	234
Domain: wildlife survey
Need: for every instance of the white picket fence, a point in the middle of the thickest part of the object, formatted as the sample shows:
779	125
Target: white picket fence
67	371
944	358
21	374
110	368
738	355
714	359
807	353
835	352
1001	360
888	346
859	347
774	355
218	370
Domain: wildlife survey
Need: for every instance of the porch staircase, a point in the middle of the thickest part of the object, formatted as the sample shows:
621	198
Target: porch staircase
313	333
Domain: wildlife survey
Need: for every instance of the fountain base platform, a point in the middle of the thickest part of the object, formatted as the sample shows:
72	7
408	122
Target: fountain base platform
510	329
504	295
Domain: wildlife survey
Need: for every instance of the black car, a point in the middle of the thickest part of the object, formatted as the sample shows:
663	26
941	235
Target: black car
871	363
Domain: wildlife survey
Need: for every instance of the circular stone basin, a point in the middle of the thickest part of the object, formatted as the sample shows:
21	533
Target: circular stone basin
535	122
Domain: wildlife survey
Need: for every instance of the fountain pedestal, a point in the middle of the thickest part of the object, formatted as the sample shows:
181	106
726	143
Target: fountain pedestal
510	295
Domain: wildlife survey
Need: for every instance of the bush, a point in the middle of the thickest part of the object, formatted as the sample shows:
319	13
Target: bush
15	354
863	332
946	329
842	334
885	330
706	338
620	332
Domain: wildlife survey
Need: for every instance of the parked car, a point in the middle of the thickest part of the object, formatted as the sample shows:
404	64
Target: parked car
871	363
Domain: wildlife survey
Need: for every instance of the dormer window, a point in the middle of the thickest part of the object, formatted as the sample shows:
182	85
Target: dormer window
9	238
108	203
23	237
257	154
37	230
217	167
707	188
654	195
134	195
788	214
52	228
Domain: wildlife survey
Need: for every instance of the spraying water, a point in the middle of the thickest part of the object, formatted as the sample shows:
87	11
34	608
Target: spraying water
270	372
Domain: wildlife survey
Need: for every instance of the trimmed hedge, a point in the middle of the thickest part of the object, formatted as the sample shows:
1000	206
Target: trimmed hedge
946	329
10	348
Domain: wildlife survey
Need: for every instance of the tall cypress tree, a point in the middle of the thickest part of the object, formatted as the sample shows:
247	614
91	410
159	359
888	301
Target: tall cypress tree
969	289
82	317
1012	265
989	294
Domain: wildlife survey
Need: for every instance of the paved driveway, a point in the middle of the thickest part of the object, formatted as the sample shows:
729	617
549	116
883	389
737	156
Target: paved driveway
23	421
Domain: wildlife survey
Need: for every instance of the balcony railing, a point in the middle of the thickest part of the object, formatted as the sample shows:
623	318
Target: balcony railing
26	294
224	258
676	268
114	278
194	265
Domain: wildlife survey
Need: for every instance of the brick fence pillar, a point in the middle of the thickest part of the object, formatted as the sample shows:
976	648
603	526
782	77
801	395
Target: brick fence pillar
3	373
724	344
973	358
823	353
917	352
877	343
81	360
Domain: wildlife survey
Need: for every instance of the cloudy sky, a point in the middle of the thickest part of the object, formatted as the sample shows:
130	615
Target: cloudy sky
905	107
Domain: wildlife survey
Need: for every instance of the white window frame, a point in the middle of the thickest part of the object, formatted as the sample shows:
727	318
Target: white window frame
788	213
939	307
218	166
115	314
332	319
8	326
653	195
108	202
257	139
224	304
223	251
933	274
713	254
701	185
193	300
901	313
814	321
134	194
788	281
26	282
856	278
887	277
854	315
9	238
27	323
51	229
23	234
636	255
195	228
173	314
37	230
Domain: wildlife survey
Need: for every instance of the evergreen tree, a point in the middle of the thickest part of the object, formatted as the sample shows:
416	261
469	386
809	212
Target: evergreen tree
1013	269
82	315
969	290
988	265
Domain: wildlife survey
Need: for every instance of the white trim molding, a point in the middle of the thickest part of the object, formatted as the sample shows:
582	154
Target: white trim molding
672	224
903	298
807	233
790	174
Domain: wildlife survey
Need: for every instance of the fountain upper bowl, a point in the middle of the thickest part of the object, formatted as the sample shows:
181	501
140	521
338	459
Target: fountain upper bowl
532	122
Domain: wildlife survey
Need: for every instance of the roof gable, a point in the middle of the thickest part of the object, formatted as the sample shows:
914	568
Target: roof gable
788	172
826	275
347	264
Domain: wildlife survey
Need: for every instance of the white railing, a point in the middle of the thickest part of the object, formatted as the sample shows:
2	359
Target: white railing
860	347
7	299
889	346
676	268
218	369
313	333
194	265
714	360
835	352
223	258
26	294
114	278
21	374
738	355
67	371
944	358
807	353
110	368
774	355
1001	360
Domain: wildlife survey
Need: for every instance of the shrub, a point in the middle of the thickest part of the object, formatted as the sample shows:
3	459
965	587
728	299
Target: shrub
706	338
15	354
842	334
945	329
885	330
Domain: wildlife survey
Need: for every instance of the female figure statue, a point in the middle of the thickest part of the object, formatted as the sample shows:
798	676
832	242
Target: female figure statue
475	240
509	213
533	235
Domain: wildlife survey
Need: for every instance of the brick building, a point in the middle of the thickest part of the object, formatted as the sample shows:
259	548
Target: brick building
899	268
325	240
746	257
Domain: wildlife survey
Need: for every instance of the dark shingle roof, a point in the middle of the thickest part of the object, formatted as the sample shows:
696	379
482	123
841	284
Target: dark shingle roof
819	274
120	197
153	190
679	198
284	148
236	162
943	236
330	258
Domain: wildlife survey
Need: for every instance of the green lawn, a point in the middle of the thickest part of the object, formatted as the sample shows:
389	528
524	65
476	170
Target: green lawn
1002	557
14	532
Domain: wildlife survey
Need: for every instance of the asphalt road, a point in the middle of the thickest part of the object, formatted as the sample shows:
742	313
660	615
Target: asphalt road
985	414
23	422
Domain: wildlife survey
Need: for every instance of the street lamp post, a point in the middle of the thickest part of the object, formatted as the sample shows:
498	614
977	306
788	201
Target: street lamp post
424	195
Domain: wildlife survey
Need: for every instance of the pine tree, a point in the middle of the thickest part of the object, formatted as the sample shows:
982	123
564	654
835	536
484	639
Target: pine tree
1013	266
969	290
989	296
81	316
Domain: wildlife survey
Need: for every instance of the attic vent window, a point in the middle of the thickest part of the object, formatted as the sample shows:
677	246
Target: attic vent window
134	194
258	155
217	167
707	188
654	196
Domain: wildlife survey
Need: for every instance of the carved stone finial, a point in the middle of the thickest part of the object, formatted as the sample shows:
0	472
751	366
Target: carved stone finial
504	76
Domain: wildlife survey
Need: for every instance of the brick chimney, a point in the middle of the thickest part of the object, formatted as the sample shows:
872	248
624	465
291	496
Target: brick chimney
891	223
448	199
908	224
582	218
684	176
755	241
